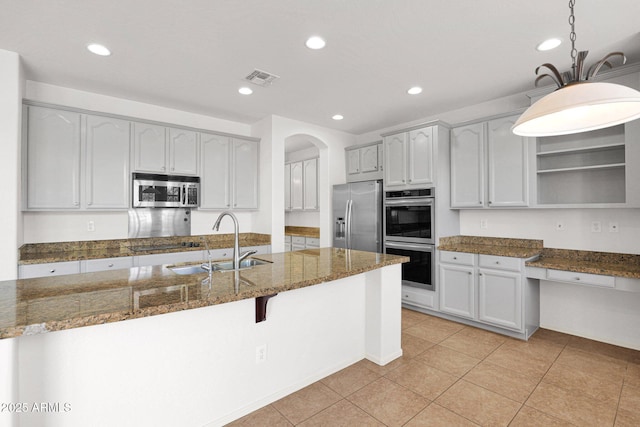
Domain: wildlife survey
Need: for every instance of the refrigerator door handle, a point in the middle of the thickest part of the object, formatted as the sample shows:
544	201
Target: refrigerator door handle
349	218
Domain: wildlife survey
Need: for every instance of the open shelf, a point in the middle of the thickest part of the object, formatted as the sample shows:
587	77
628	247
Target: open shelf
591	149
580	168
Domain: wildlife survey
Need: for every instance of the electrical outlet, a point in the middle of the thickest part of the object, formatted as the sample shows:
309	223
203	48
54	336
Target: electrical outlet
560	226
613	227
91	226
484	224
261	354
596	227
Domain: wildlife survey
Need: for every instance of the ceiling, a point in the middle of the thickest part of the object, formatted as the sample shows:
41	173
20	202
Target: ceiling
193	55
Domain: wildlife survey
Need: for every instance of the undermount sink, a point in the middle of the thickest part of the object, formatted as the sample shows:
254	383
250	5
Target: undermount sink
217	266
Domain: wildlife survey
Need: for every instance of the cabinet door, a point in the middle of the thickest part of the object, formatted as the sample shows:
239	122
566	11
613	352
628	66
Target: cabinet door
183	152
53	159
150	153
508	164
353	162
369	158
296	186
467	166
457	290
500	298
215	158
245	174
287	187
310	182
395	160
420	157
107	180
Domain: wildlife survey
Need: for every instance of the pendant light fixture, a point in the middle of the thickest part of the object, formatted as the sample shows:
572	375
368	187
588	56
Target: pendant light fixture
579	104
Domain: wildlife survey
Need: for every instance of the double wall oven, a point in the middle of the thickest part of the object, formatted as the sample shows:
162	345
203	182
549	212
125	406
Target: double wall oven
410	231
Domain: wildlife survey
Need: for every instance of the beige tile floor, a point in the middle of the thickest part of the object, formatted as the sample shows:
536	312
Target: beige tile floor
456	375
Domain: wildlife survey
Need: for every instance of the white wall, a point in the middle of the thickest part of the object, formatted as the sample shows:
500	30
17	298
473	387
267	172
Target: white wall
11	88
330	171
72	226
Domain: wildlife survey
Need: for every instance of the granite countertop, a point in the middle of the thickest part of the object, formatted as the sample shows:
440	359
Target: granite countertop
517	248
39	253
605	263
291	230
31	306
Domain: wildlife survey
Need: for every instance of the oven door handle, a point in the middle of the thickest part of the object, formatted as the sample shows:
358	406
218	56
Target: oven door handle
410	246
428	201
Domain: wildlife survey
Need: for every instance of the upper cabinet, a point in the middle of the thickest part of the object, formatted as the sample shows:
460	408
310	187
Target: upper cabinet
301	185
59	145
489	165
52	164
408	159
164	150
364	162
107	179
229	178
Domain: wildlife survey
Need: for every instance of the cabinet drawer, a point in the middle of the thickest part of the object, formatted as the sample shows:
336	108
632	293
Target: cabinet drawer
287	239
461	258
581	278
312	242
49	269
500	262
298	240
418	297
104	264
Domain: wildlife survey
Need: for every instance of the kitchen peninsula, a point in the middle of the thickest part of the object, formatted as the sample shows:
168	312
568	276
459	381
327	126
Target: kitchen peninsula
331	308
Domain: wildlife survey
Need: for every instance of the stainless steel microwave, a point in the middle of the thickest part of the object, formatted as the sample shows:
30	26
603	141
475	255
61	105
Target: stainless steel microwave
165	191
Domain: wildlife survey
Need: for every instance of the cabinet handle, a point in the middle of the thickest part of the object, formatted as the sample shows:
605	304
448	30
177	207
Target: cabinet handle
110	265
455	257
497	262
469	273
163	168
409	180
53	270
172	169
480	202
577	278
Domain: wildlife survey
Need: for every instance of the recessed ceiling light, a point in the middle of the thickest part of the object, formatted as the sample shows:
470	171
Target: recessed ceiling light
98	49
337	117
549	44
315	43
245	91
415	90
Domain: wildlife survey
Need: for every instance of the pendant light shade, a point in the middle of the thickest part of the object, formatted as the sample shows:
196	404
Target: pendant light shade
579	104
579	107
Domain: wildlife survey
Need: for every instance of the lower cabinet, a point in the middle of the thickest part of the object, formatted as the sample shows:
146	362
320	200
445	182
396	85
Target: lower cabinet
491	290
48	269
298	243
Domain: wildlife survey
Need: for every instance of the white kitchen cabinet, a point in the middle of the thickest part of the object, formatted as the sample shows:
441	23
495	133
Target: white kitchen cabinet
183	152
489	165
107	179
48	269
164	150
364	162
508	160
409	158
301	187
287	243
150	148
297	190
457	290
105	264
310	182
467	166
298	243
245	166
229	172
500	298
287	187
52	159
489	290
169	258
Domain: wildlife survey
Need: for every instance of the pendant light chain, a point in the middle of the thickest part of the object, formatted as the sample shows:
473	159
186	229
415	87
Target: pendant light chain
572	37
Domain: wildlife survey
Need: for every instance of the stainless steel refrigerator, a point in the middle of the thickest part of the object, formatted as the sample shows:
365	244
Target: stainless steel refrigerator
357	216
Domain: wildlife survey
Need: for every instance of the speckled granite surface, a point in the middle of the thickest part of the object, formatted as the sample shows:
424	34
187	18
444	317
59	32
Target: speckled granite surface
607	263
517	248
32	306
291	230
38	253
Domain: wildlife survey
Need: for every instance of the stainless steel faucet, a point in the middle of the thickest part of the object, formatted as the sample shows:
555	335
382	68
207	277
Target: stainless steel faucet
237	256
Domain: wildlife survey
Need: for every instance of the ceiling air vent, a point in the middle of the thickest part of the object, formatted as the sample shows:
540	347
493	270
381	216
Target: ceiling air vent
261	78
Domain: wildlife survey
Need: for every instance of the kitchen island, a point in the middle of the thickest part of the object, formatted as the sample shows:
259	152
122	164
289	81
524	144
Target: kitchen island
144	346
